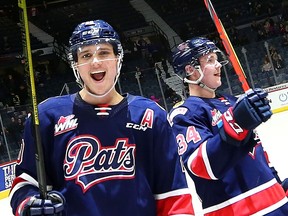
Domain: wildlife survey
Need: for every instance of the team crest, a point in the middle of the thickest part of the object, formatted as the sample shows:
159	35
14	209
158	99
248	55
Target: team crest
88	163
65	124
216	115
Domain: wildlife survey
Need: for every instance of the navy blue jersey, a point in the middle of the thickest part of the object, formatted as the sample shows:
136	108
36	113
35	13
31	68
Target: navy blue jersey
229	180
117	161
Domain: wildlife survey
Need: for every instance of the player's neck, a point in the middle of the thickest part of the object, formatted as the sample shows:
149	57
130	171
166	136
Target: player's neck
195	90
112	98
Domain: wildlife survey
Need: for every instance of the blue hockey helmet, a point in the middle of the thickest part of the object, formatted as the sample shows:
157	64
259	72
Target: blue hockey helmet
92	32
189	52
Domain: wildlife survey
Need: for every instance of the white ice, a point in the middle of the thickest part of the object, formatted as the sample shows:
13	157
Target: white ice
273	136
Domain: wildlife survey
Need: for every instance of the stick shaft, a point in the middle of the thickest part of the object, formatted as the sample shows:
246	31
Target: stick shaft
228	46
40	165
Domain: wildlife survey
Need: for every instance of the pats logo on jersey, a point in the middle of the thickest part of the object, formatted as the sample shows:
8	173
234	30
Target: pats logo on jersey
65	124
88	163
216	115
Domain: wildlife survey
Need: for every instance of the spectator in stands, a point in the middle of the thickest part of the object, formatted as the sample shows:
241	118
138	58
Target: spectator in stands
20	129
23	94
139	74
267	66
1	140
33	11
14	99
4	93
267	69
6	43
261	34
269	28
12	133
143	46
277	60
285	39
254	27
270	8
2	148
40	75
282	28
284	10
11	82
165	67
136	49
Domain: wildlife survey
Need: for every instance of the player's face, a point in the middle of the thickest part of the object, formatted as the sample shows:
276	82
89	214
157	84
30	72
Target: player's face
211	69
97	66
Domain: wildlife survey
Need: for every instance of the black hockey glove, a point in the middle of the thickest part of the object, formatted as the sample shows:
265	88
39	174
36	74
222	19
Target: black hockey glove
249	111
34	206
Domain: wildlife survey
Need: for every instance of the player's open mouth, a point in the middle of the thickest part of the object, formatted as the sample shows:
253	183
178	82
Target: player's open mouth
98	76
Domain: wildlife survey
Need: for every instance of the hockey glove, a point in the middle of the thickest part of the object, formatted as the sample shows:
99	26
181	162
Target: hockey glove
285	186
33	206
249	111
252	109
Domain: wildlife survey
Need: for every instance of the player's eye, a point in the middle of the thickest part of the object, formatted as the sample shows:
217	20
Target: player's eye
86	56
212	60
104	53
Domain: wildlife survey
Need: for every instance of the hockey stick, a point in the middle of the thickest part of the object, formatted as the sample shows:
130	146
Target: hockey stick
40	166
228	46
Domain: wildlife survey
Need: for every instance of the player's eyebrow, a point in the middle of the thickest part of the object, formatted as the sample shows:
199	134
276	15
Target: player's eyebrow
89	49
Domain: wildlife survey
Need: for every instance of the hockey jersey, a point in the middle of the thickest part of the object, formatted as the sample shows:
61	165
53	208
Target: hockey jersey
229	180
117	161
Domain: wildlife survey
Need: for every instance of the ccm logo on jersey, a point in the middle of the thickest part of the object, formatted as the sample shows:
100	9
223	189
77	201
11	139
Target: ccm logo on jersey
65	124
146	121
135	126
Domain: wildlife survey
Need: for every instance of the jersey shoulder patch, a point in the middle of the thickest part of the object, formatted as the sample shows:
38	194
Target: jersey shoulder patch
175	112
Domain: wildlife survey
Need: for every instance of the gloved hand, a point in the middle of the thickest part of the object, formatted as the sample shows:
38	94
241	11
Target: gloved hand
249	111
285	186
252	109
33	206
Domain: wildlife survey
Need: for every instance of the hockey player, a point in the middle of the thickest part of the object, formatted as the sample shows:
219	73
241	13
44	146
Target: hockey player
220	149
105	153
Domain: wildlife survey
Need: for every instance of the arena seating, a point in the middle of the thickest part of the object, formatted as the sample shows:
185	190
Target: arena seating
187	17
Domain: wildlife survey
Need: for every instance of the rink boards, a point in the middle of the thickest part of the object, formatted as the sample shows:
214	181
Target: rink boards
7	175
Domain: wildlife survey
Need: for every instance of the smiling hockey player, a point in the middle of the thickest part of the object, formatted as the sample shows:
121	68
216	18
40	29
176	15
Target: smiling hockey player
221	150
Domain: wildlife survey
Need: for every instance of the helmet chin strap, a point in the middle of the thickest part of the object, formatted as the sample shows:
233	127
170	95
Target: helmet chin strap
199	80
202	85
